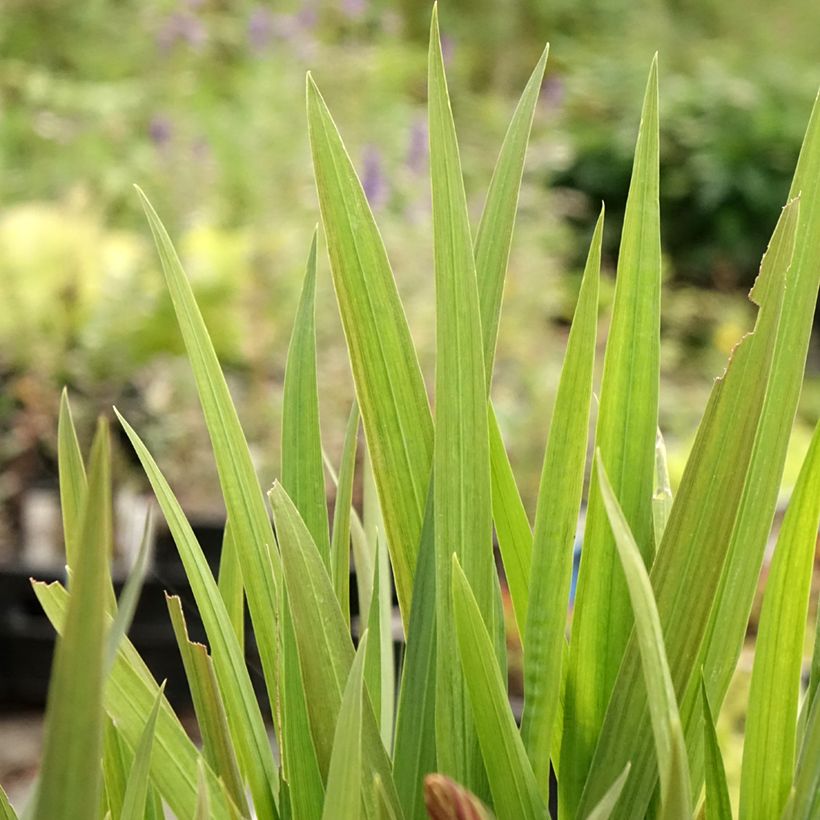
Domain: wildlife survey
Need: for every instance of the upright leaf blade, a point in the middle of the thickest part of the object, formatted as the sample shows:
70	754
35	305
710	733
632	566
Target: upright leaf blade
240	487
73	480
414	754
606	805
70	776
302	470
212	718
344	779
494	235
625	434
512	782
340	541
244	715
771	719
230	584
461	462
136	792
389	386
325	647
663	707
695	541
718	805
130	693
556	521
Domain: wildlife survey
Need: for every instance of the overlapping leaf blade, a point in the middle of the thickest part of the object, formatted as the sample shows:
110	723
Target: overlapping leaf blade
244	502
771	722
244	715
69	787
344	779
136	792
129	696
559	500
212	718
302	469
461	462
663	706
718	805
325	647
694	545
625	434
389	387
512	782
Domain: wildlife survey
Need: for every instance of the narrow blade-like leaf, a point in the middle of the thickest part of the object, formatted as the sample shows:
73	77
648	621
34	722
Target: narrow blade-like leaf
340	541
695	542
625	434
662	494
771	718
73	480
556	521
302	470
461	462
70	775
512	782
230	585
325	648
130	694
240	487
136	792
208	705
606	805
389	386
343	799
718	805
414	755
244	715
494	234
663	707
300	766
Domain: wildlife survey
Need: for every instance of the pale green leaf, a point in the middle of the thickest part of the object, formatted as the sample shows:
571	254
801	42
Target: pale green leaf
494	234
389	386
771	719
461	462
512	782
663	707
70	775
607	803
302	471
240	487
136	792
117	759
694	544
556	522
130	595
343	799
6	811
511	524
300	766
718	805
73	481
244	716
210	711
230	585
804	801
340	541
324	643
662	494
130	694
625	433
415	750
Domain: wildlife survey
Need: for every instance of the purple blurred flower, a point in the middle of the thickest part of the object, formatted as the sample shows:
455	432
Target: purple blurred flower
307	18
448	48
553	91
160	130
182	27
373	180
417	147
261	28
354	9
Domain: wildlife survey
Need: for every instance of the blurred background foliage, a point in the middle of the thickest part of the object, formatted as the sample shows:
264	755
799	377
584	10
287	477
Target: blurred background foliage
201	102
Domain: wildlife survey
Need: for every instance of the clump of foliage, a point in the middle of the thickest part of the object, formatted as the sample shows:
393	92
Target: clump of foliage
623	710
